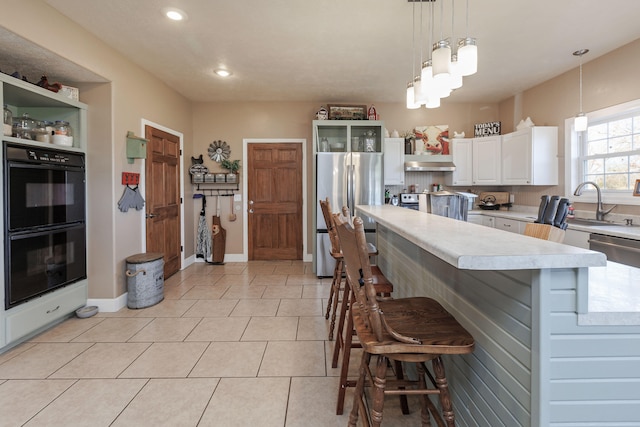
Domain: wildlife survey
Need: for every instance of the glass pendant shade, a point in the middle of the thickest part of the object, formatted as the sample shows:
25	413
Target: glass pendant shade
442	86
432	102
580	122
428	84
441	58
467	56
456	77
418	94
411	104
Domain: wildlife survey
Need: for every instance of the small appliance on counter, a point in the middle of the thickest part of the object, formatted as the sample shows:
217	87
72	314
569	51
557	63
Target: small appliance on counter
493	200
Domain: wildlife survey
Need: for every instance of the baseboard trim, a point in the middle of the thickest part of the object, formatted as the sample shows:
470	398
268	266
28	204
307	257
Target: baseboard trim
109	305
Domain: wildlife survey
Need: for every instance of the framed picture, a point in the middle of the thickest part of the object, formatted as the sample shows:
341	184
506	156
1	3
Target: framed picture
347	112
433	139
636	188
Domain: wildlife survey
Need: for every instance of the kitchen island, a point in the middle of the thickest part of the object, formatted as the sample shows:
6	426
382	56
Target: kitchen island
535	363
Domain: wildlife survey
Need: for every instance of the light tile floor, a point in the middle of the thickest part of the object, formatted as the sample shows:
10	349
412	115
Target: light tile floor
242	344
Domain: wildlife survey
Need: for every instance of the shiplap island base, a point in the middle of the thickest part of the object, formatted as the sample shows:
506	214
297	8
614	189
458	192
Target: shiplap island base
535	363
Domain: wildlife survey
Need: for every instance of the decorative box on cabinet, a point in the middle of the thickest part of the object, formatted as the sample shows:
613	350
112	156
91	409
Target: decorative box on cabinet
530	156
393	161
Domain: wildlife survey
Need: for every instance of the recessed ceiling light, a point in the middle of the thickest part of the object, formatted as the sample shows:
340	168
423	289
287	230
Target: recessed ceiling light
174	14
222	72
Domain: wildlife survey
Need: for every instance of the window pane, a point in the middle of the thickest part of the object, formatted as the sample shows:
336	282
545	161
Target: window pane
620	127
616	164
594	166
619	144
597	147
634	163
598	179
636	140
597	131
617	181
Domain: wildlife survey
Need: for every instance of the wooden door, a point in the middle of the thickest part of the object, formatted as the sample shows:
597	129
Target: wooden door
274	187
162	183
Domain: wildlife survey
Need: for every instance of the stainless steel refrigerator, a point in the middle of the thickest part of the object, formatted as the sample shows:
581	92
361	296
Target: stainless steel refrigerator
347	179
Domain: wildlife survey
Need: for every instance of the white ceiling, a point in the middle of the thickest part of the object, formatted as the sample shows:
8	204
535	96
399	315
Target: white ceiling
347	50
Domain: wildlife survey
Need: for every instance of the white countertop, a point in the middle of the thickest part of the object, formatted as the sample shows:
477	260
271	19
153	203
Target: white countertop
614	296
614	289
475	247
529	215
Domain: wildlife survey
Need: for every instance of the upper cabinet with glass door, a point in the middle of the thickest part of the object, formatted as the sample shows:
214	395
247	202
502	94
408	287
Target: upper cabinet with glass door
345	136
57	121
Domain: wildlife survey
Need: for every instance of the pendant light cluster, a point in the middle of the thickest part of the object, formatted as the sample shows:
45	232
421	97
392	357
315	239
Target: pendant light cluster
580	122
442	66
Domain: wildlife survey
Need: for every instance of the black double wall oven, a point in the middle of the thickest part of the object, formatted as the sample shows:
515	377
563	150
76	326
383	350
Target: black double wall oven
44	221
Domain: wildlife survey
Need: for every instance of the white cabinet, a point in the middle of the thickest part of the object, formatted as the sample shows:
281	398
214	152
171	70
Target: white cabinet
462	156
477	161
576	238
393	161
511	225
487	221
486	160
530	156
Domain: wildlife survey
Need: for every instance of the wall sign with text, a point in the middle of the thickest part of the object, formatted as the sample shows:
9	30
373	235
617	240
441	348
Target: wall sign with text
486	129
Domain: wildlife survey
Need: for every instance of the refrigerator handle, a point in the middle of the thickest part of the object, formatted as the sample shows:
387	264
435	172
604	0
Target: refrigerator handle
350	189
347	180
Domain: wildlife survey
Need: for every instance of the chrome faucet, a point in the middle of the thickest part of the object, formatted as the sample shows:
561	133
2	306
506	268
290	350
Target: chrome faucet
600	212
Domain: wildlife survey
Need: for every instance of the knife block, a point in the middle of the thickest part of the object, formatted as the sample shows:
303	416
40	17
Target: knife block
544	232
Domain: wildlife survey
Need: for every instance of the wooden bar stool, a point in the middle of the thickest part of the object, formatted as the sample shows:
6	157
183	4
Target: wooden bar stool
416	330
338	270
344	339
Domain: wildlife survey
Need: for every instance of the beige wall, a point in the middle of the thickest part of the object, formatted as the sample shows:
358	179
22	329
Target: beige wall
133	95
114	108
234	121
608	80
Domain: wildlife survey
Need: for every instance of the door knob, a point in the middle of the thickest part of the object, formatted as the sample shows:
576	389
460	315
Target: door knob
250	202
149	215
250	210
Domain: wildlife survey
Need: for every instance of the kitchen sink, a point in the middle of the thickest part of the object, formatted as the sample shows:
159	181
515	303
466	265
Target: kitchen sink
596	222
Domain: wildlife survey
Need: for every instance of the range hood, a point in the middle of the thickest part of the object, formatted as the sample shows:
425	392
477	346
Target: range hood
429	166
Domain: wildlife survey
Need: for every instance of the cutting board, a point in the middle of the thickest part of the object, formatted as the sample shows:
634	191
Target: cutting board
502	197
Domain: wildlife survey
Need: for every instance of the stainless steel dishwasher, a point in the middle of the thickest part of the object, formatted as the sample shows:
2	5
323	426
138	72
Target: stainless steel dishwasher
617	249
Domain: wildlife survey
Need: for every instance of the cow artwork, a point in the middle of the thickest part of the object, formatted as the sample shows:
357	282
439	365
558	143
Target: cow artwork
434	139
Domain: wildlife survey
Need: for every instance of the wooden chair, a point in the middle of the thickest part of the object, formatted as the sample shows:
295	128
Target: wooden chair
338	271
414	329
344	339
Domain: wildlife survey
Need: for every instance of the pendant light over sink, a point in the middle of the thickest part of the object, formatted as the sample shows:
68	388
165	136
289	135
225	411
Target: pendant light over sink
580	122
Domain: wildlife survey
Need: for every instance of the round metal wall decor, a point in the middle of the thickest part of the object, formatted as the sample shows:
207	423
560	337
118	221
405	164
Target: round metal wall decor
219	151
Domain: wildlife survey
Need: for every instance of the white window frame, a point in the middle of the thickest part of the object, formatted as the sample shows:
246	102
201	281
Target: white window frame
572	169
